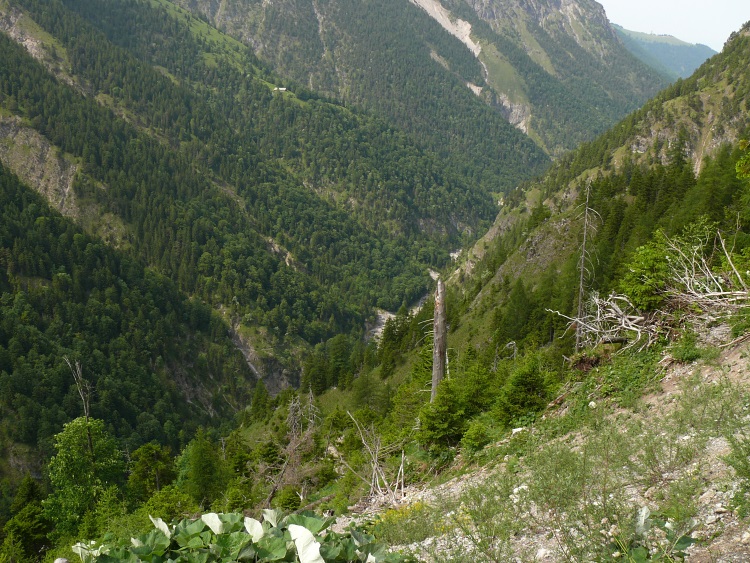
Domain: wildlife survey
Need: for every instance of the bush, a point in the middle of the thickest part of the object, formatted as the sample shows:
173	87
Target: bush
287	499
646	276
686	349
476	437
171	502
524	394
408	524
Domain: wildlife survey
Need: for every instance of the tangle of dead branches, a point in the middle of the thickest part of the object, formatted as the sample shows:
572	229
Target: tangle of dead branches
695	293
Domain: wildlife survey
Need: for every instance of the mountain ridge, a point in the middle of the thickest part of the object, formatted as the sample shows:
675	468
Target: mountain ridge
670	55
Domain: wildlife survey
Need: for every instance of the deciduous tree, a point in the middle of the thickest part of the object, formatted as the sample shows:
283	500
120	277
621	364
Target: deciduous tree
79	475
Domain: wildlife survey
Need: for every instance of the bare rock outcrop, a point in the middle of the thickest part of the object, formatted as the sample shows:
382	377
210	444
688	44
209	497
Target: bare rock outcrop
39	164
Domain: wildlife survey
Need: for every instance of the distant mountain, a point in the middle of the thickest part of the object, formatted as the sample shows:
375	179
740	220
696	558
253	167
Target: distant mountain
450	71
669	55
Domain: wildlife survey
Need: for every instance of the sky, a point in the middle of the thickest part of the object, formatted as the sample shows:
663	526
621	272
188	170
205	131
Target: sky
709	22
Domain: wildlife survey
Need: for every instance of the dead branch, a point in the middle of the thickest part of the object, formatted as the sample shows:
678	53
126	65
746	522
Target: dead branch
701	294
695	286
301	421
85	390
379	482
613	319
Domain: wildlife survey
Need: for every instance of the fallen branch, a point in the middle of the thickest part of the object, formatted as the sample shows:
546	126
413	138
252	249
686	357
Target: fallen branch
693	288
614	319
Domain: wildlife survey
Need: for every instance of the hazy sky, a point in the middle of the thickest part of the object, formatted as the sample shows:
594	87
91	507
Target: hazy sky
696	21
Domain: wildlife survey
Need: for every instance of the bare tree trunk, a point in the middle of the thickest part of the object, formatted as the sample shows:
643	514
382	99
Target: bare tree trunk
439	342
582	270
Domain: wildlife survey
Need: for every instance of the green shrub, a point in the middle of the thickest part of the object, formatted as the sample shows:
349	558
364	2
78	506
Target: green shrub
524	394
476	437
171	502
647	275
408	524
686	348
629	375
287	499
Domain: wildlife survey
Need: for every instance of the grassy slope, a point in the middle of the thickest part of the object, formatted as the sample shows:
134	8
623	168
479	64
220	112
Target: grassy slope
601	452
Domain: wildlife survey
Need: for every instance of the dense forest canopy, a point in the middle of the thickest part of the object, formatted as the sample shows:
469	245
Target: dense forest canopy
146	349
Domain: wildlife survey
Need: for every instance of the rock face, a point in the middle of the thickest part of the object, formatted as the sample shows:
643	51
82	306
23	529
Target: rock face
518	115
266	368
583	20
457	27
32	158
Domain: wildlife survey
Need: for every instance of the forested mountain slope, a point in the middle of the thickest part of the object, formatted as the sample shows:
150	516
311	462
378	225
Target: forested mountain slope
290	216
290	213
449	72
158	364
222	188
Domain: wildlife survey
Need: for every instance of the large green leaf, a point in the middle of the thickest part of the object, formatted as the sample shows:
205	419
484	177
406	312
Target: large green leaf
153	543
272	516
361	538
333	552
312	523
161	526
254	528
232	522
213	521
339	549
271	548
230	545
196	556
199	541
186	530
248	553
683	543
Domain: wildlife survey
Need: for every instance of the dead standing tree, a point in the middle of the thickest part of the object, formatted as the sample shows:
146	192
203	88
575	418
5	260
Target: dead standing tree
378	480
84	390
439	339
588	216
302	422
